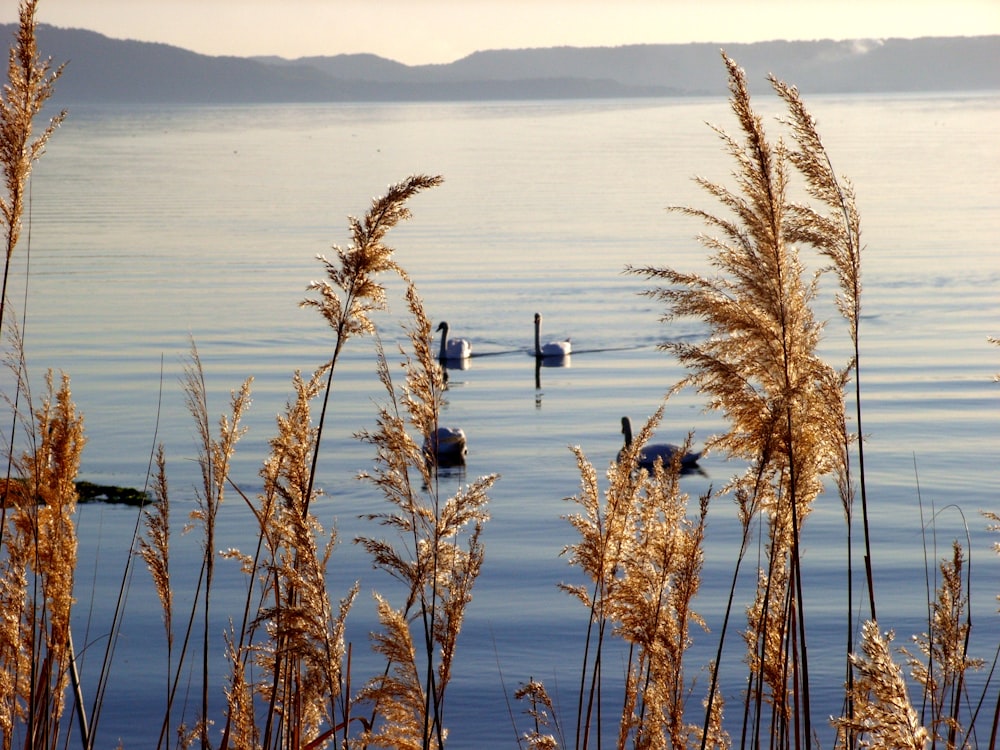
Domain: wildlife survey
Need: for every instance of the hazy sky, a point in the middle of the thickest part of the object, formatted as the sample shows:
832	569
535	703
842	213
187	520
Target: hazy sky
435	31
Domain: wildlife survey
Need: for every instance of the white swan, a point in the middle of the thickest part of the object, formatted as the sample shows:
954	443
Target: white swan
453	348
651	452
446	446
552	348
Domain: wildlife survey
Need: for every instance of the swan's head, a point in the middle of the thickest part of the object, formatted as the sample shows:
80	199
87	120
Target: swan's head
627	430
442	326
538	318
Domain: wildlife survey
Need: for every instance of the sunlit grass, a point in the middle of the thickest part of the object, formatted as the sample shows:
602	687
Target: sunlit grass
290	680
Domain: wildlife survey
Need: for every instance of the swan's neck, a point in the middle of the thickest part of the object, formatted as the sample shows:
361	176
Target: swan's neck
538	338
443	354
627	432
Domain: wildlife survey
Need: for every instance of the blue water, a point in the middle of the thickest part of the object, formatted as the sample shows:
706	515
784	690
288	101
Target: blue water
154	227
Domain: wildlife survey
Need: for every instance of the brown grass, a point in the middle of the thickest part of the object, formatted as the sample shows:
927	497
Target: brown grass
640	547
214	455
36	593
642	555
941	661
759	365
301	650
30	84
437	555
882	709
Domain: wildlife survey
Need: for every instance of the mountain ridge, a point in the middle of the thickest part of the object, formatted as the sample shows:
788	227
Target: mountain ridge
102	69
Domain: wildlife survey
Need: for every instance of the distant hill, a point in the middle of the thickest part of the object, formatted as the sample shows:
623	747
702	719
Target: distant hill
101	69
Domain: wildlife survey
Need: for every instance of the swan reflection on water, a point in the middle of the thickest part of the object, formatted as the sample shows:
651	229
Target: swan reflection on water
453	364
541	362
456	364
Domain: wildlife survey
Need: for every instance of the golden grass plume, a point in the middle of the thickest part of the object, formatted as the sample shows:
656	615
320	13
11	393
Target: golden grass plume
883	716
437	554
643	556
30	84
40	545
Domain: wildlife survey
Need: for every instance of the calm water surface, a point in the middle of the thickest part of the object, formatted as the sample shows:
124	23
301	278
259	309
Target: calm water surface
155	227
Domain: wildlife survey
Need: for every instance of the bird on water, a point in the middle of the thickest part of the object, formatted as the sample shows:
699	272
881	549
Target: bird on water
551	348
650	452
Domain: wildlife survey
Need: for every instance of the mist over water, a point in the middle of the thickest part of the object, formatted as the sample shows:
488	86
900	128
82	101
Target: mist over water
155	227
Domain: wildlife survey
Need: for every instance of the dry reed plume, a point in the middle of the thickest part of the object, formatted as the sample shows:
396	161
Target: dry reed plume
883	716
37	533
759	365
30	84
436	552
294	642
941	660
643	556
351	291
38	566
154	549
543	715
289	681
214	455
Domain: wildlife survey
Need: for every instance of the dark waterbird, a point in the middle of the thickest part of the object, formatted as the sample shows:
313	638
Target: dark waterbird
652	452
446	447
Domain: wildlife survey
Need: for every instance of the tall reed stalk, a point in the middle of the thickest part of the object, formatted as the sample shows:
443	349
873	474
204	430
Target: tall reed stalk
836	235
941	660
643	556
434	550
289	686
760	366
214	455
38	567
30	84
351	291
37	534
294	637
154	548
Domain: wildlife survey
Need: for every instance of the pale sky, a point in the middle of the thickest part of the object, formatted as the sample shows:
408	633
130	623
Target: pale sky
440	31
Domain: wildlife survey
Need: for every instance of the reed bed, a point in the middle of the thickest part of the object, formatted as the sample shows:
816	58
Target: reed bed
640	548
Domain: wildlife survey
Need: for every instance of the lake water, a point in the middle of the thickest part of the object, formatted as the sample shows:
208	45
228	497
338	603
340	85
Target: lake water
153	227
